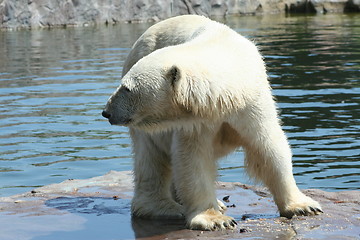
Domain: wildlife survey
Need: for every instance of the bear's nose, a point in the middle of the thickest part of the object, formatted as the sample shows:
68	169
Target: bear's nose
105	114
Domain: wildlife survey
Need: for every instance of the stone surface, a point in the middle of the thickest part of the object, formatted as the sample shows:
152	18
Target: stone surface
99	208
55	13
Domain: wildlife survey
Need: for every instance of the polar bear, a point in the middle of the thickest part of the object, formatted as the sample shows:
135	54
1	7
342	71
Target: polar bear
193	91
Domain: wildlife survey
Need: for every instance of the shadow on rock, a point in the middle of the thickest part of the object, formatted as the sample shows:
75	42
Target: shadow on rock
91	205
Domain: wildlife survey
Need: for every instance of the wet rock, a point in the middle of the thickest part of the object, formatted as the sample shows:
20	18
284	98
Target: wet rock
226	199
54	13
74	206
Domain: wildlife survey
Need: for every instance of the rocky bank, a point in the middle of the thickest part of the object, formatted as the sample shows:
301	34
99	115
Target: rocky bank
61	13
99	208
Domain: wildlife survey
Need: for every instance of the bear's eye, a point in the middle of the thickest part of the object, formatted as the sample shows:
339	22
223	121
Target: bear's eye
125	89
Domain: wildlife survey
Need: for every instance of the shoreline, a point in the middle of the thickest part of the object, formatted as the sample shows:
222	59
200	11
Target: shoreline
73	205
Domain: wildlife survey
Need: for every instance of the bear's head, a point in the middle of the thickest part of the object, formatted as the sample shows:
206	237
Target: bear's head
158	94
145	98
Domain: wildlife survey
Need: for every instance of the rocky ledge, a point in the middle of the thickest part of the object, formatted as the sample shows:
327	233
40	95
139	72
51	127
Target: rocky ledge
99	208
54	13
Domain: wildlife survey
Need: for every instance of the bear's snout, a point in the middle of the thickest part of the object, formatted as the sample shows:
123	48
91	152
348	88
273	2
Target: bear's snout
116	120
105	114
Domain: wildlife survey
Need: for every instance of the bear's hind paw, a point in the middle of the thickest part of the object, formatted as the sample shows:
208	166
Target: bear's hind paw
302	208
308	211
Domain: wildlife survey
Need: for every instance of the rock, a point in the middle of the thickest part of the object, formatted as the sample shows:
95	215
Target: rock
316	6
99	208
352	6
54	13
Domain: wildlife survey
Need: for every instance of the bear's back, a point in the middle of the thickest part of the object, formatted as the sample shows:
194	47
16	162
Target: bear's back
170	32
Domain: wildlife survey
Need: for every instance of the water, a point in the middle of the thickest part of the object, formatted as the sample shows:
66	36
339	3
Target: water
54	84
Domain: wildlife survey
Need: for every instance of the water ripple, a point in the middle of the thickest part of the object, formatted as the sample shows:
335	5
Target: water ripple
54	84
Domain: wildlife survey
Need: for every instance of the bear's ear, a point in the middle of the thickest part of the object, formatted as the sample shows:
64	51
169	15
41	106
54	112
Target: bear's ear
173	75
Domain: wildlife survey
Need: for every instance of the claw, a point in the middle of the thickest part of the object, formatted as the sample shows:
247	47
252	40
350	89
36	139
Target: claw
217	226
300	212
319	210
316	211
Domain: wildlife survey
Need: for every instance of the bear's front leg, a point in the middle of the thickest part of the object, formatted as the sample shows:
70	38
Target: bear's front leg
195	170
152	196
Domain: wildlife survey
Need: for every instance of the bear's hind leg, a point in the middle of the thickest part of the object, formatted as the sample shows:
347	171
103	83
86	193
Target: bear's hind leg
152	196
268	159
275	171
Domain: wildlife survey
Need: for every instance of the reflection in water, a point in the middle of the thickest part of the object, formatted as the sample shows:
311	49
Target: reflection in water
54	83
35	227
146	228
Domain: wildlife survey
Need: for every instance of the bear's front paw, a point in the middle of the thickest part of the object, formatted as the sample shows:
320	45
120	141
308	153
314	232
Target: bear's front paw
222	207
211	220
302	206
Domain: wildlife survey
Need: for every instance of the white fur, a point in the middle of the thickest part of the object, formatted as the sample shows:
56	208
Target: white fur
192	91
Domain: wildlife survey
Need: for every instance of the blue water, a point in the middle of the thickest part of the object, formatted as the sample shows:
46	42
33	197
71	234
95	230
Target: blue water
54	84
